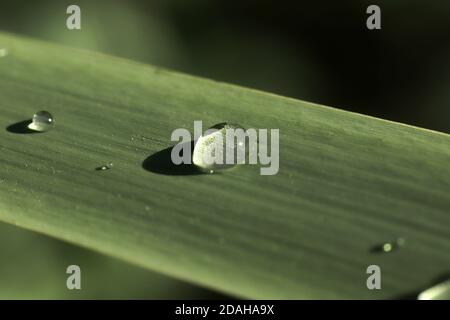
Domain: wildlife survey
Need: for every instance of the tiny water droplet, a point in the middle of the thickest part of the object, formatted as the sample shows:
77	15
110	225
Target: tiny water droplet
440	291
212	147
390	246
387	247
42	121
105	167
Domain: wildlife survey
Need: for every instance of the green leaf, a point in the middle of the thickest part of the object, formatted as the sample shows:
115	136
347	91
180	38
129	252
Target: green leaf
347	183
33	266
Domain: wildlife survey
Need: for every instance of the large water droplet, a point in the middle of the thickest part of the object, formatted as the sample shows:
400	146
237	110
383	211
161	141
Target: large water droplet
210	150
440	291
42	121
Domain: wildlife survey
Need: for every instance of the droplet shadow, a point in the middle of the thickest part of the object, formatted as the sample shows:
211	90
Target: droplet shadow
102	168
21	127
161	163
379	249
387	247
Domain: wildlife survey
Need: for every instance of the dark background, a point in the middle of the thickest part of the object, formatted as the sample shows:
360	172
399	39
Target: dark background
319	51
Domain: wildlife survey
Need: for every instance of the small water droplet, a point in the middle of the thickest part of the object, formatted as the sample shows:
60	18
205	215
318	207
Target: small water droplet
440	291
42	121
212	147
3	52
390	246
387	247
105	167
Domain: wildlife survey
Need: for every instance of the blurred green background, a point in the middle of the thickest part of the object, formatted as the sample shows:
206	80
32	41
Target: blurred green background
319	51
